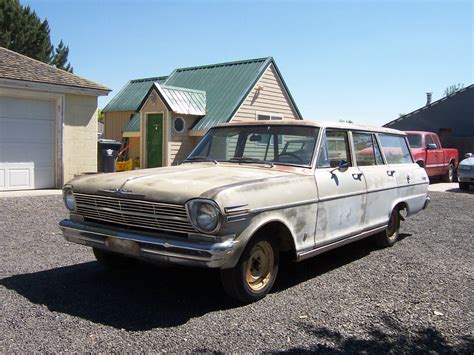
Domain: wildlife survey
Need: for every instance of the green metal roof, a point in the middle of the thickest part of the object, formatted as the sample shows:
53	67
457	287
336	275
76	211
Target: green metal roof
131	95
134	124
182	100
226	85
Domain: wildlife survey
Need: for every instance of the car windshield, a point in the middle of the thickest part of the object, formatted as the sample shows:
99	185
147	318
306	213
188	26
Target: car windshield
415	140
262	144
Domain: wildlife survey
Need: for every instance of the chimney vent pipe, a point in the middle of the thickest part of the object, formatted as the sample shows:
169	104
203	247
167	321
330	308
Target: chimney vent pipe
428	98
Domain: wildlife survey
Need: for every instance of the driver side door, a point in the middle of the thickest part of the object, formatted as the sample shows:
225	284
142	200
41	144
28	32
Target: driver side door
342	192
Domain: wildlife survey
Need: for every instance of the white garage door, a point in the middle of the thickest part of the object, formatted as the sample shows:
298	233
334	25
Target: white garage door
26	143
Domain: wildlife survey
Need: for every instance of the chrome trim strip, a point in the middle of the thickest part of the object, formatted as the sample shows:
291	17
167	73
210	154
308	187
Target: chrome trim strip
285	205
332	245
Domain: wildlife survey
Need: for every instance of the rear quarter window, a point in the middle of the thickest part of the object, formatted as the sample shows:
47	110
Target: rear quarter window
395	149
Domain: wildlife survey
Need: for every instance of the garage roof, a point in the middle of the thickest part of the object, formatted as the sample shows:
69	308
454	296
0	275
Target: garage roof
15	66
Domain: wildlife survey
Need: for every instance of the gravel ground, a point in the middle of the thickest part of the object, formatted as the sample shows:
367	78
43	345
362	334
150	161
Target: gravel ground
414	297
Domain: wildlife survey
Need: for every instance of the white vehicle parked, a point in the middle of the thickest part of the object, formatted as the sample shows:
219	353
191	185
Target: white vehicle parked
248	192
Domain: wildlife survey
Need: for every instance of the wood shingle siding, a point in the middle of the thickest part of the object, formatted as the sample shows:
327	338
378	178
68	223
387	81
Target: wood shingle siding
181	144
271	98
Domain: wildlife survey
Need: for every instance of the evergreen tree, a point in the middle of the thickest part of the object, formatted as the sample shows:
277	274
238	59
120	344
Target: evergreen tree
60	57
22	31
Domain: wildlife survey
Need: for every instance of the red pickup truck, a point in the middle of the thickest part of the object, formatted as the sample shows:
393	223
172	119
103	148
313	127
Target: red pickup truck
428	152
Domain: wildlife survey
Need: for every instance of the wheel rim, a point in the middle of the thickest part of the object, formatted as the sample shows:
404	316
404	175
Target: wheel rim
260	266
450	173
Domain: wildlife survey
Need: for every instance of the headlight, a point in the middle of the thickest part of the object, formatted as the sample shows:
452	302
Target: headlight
69	200
205	215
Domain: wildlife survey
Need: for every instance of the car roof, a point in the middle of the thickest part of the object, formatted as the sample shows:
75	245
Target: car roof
320	124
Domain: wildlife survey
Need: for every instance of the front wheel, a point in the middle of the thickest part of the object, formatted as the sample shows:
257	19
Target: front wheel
464	185
389	236
255	273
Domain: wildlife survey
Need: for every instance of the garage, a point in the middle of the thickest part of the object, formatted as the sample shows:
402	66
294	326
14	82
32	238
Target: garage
48	124
27	144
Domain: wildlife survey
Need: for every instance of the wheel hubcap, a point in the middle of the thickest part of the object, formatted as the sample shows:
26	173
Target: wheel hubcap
259	266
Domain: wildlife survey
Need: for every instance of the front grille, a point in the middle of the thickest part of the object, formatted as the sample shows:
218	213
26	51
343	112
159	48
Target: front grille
134	213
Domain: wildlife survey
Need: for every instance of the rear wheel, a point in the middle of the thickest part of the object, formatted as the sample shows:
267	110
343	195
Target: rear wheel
388	237
449	176
464	185
113	261
255	273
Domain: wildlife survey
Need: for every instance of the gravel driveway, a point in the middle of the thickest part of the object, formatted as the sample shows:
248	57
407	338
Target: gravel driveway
415	296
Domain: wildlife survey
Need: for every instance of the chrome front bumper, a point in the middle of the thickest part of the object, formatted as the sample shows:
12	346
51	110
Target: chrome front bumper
159	247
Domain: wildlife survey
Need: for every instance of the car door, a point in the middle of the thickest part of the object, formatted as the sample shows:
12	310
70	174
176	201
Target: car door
409	176
380	179
342	191
432	158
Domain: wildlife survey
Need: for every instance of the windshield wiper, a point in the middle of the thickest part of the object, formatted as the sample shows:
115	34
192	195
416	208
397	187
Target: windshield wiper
250	161
197	159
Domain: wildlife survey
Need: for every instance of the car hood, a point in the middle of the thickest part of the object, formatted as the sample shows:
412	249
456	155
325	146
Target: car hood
179	183
467	161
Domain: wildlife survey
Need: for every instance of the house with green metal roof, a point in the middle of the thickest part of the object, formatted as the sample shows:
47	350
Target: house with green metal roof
165	117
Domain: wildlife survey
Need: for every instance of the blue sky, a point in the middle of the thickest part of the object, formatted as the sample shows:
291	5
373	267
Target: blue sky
365	61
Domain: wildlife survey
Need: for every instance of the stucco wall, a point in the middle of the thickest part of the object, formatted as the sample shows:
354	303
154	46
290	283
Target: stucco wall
80	135
114	123
270	99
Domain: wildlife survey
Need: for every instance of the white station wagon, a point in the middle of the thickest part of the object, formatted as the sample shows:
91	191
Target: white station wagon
248	192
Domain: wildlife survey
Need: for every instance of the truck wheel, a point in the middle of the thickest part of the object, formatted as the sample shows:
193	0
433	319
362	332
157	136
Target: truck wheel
389	236
255	273
449	176
464	186
113	261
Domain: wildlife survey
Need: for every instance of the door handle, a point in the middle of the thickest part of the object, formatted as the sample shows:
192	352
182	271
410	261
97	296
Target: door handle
390	172
357	176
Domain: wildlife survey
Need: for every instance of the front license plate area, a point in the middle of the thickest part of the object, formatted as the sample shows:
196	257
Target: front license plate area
123	246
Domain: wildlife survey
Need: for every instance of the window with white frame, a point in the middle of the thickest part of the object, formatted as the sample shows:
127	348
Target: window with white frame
269	117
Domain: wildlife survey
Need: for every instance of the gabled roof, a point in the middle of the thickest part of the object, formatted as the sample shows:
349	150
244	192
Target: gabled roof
226	85
443	109
132	94
15	66
181	100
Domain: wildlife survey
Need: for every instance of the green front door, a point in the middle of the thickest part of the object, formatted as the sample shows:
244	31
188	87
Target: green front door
154	140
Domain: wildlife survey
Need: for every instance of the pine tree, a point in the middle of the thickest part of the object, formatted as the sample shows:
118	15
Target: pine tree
60	57
22	31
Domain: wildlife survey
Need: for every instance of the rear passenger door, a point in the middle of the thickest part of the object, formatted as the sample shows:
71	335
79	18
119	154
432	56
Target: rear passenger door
400	161
342	192
380	179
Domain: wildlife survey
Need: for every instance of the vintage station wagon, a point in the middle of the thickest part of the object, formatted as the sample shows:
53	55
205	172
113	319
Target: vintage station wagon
249	192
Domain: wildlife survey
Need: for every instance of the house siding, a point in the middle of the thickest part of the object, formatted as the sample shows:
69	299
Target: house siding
114	123
271	99
80	135
181	144
154	104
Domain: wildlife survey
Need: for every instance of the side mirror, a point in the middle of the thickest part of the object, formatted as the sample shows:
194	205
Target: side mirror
468	155
342	166
431	146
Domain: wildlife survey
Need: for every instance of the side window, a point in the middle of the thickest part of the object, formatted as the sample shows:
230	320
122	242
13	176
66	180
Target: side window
428	139
436	140
395	149
364	149
334	148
